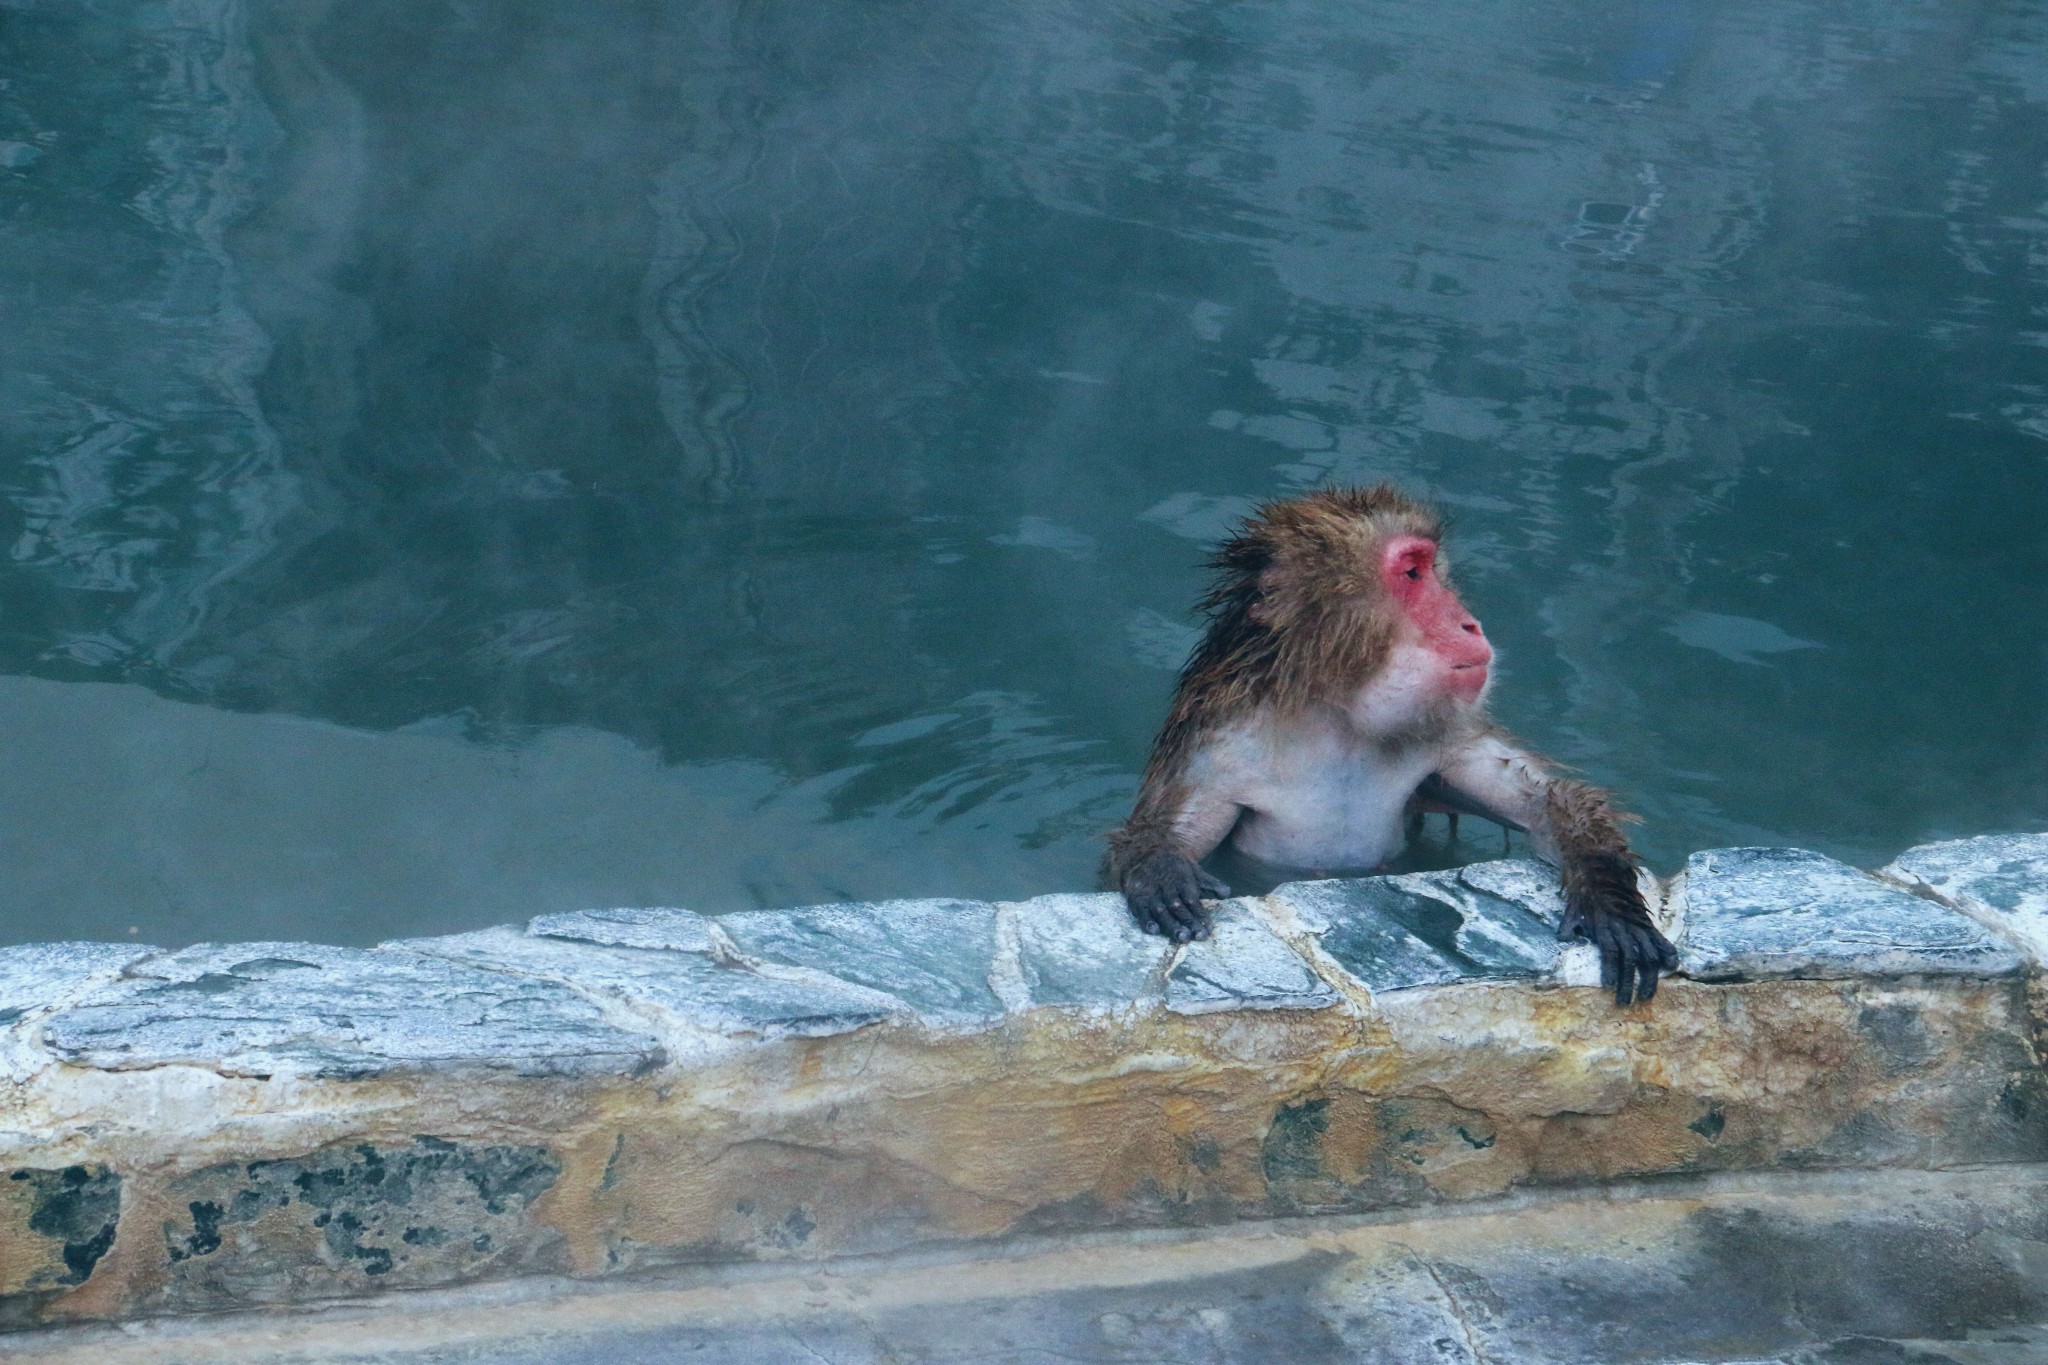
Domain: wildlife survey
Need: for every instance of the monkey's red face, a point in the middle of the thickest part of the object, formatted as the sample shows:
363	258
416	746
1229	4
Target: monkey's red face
1439	621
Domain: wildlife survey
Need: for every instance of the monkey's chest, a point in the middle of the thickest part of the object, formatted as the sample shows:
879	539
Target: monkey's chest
1329	812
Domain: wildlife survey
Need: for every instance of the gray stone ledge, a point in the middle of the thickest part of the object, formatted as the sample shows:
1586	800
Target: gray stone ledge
38	977
1487	922
2000	880
1760	913
257	1009
612	1090
1078	952
1244	965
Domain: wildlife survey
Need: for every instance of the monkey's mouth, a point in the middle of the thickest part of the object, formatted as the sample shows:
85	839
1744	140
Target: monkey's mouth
1468	678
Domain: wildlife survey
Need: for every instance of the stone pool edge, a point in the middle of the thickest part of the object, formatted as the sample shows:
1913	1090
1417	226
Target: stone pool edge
238	1126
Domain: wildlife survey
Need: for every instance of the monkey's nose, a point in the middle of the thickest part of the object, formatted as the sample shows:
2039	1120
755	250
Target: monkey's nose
1470	647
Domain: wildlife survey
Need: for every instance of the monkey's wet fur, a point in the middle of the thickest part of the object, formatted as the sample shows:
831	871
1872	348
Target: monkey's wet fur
1339	692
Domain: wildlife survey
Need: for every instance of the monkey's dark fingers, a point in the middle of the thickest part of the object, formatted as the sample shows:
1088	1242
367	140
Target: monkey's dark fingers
1645	958
1573	926
1165	915
1211	884
1659	955
1165	896
1606	937
1190	920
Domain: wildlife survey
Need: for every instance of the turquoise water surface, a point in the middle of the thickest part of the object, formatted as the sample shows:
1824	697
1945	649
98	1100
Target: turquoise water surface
462	459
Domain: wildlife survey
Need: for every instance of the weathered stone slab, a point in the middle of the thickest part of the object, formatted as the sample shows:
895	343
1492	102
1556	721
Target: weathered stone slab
303	1008
1085	952
2000	880
1762	913
1491	921
353	1218
1244	1098
1352	921
1529	886
934	955
38	975
681	931
687	985
1243	965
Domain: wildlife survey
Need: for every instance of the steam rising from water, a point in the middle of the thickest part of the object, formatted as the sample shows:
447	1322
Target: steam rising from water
814	415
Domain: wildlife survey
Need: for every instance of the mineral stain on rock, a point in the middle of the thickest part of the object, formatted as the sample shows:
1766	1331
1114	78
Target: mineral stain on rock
1353	1152
1711	1124
355	1216
1293	1146
76	1209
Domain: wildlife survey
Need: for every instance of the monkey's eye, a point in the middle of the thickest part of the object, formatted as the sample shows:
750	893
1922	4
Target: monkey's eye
1415	573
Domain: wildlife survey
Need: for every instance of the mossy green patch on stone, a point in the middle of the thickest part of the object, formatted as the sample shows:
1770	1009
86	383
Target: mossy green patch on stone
55	1225
356	1216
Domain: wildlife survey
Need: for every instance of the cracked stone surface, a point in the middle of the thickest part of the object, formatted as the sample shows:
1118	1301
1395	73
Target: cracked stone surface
681	931
1243	965
619	1091
1085	952
2001	880
1529	886
1490	921
37	975
685	984
934	955
1759	913
304	1008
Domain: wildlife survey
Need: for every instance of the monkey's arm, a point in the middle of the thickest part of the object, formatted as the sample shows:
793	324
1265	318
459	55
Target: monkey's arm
1154	859
1572	826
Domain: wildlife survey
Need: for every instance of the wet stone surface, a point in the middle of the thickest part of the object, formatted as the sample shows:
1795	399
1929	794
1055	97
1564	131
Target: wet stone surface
1999	879
681	931
1490	921
1243	965
1759	913
35	976
687	985
356	1217
934	955
303	1008
1085	952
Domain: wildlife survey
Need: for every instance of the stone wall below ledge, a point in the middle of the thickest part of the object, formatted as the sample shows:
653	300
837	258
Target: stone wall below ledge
230	1126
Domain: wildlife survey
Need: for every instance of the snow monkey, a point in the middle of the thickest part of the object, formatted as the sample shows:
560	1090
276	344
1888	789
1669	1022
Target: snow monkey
1340	689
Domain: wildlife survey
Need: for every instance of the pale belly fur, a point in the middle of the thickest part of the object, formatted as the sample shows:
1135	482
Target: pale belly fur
1328	807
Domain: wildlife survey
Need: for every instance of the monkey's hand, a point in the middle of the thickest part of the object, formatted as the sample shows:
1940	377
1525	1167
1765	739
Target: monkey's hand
1604	907
1164	890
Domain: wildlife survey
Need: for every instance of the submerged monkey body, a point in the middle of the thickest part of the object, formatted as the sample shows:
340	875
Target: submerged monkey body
1340	687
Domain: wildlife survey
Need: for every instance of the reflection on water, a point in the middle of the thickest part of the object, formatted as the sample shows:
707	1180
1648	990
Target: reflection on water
719	454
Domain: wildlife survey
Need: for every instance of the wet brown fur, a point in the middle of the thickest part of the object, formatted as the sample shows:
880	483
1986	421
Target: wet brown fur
1595	861
1297	615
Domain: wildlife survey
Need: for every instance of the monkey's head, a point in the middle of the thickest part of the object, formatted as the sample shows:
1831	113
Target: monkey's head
1343	596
